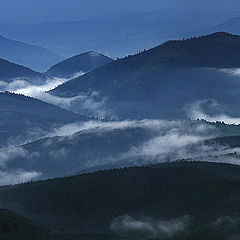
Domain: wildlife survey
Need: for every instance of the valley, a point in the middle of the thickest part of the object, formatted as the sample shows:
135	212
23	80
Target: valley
119	125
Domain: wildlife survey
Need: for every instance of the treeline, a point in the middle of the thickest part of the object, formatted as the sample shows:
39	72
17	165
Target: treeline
90	202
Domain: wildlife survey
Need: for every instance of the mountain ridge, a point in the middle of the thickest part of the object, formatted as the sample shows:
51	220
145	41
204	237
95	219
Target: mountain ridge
138	86
10	71
83	62
20	114
32	56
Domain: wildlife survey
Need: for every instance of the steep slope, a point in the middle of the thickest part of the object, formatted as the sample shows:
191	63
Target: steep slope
81	63
20	113
28	55
161	81
164	194
11	71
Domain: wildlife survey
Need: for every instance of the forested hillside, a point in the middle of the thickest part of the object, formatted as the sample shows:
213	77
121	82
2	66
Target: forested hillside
205	192
10	71
162	82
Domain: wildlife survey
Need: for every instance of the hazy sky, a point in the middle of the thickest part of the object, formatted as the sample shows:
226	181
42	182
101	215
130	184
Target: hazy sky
31	11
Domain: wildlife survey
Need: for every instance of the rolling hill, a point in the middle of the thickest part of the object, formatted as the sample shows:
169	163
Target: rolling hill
11	71
160	82
81	63
28	55
202	198
13	226
103	147
20	113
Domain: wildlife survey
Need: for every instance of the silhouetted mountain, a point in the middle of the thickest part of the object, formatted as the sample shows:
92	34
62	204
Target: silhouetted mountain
115	35
81	63
20	113
160	82
198	196
28	55
11	71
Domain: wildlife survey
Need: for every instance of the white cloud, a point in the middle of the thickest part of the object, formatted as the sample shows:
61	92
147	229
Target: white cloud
196	112
165	144
39	90
148	228
9	153
17	176
231	71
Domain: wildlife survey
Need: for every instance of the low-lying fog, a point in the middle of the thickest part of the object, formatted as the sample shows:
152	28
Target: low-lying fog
105	144
85	146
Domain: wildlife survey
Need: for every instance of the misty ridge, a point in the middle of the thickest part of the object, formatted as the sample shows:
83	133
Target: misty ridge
120	126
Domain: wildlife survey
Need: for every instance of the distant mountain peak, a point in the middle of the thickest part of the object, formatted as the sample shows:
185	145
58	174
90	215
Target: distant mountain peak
94	54
29	55
83	62
219	49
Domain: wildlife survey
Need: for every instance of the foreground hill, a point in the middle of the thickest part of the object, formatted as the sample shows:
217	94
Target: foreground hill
160	82
13	226
11	71
199	197
20	113
28	55
81	63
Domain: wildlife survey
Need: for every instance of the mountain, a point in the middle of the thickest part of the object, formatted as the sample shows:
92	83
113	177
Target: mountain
83	151
20	114
28	55
161	82
228	26
115	35
107	145
13	226
81	63
51	11
189	199
11	71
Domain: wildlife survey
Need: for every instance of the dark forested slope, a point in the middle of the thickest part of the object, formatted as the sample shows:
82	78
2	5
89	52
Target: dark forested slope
13	226
203	191
160	82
